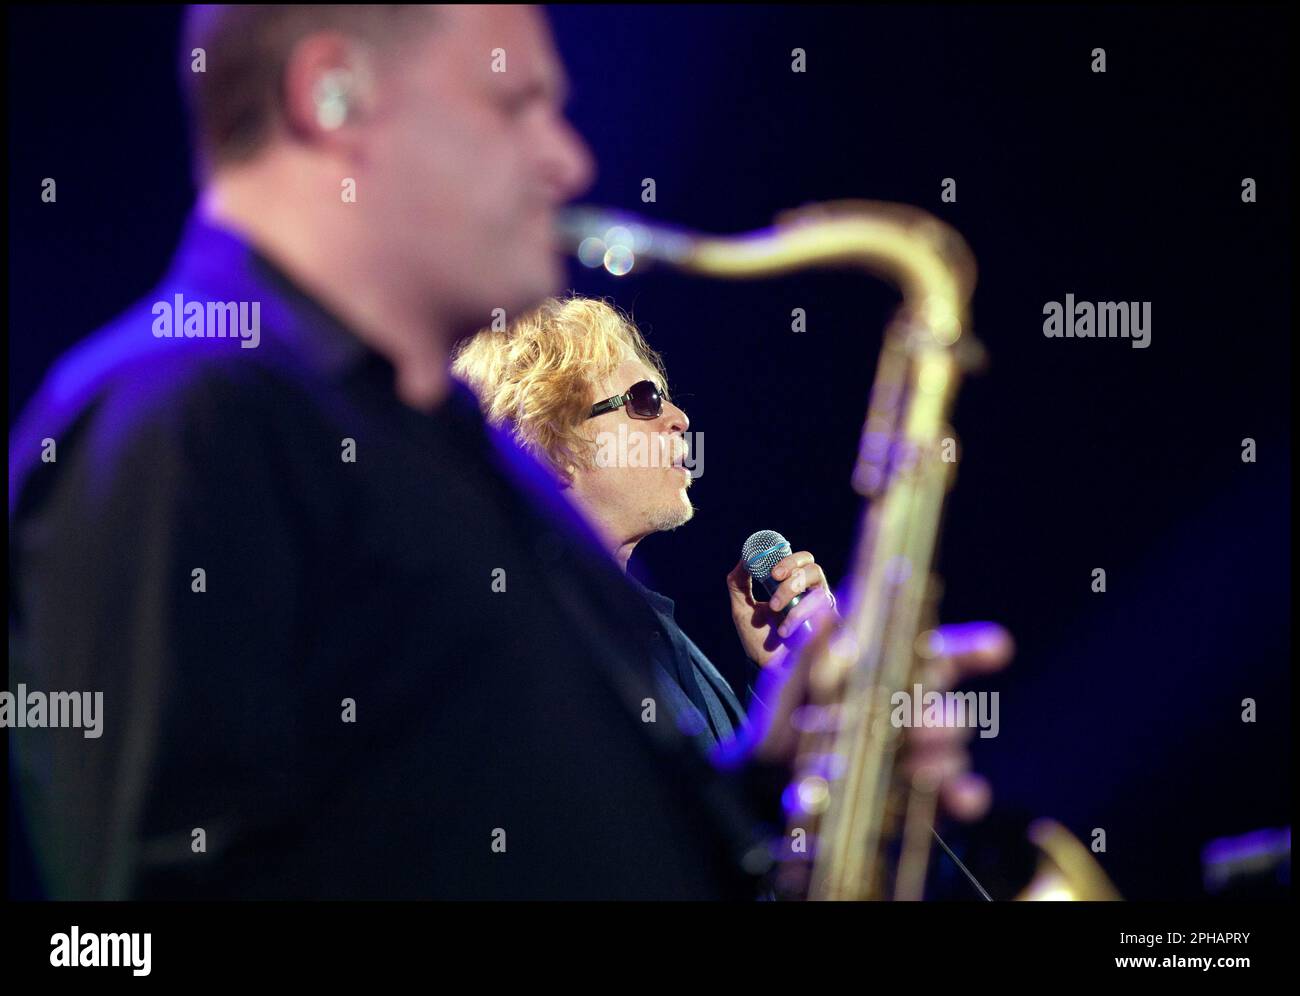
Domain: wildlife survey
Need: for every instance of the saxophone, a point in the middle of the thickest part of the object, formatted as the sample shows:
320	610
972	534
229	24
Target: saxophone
857	829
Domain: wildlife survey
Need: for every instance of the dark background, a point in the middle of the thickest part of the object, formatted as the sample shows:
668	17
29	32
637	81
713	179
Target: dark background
1122	710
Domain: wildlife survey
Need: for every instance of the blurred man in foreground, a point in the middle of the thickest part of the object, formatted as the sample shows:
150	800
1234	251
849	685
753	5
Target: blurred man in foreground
348	643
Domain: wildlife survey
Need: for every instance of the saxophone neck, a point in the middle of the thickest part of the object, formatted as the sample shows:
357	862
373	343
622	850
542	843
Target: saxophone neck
927	260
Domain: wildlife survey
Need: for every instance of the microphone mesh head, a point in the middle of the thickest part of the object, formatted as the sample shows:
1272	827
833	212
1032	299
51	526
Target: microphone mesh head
763	551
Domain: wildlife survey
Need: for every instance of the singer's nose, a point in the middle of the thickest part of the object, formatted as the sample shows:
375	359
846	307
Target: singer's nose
677	420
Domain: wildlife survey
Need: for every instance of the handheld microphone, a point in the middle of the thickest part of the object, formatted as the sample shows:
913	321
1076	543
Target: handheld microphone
763	551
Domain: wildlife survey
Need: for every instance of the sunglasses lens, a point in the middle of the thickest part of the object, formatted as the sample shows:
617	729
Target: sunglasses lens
644	400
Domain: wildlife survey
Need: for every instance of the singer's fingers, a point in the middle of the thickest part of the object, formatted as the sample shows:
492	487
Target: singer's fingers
739	580
810	606
800	580
787	564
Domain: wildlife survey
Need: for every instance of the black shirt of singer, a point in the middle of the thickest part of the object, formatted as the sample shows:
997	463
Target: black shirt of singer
346	648
701	701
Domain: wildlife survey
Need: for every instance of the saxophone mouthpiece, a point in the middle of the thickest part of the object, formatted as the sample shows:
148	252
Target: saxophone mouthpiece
619	240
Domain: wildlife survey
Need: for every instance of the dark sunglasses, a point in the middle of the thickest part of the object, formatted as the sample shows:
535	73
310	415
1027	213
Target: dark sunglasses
643	400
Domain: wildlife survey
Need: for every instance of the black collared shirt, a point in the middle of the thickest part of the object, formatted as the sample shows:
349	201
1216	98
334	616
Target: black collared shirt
699	697
346	648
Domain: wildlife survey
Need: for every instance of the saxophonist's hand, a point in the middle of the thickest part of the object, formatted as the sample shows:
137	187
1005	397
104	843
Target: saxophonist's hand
938	753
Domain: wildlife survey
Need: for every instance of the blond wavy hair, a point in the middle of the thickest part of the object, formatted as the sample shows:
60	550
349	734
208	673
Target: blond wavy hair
535	377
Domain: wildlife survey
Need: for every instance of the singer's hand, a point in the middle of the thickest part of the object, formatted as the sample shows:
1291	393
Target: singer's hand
758	625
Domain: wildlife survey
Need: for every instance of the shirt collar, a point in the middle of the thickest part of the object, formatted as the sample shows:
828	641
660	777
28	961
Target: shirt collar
660	603
220	263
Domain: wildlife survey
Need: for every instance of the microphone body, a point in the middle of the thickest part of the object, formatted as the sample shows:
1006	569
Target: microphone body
762	552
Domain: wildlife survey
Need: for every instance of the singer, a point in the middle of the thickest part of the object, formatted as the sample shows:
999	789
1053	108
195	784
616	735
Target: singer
577	368
554	378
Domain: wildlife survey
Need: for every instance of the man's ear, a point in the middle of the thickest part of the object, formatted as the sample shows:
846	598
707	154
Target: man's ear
328	85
